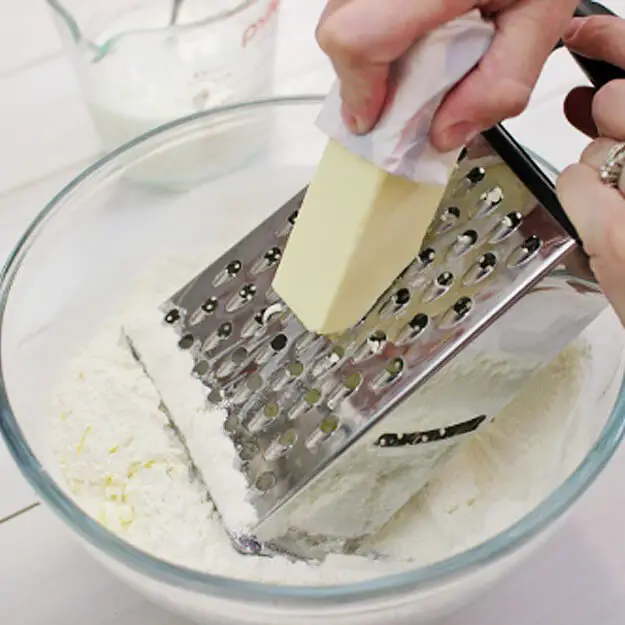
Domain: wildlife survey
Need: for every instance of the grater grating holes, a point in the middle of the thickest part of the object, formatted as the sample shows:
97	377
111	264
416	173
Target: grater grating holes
231	424
221	334
507	226
464	242
232	363
426	258
390	374
525	252
207	308
470	180
415	270
457	313
210	305
396	303
489	201
200	369
289	373
257	324
172	316
438	287
279	342
481	269
476	175
281	445
448	219
327	362
268	350
264	417
374	344
414	328
229	272
265	482
243	297
348	386
288	224
248	451
326	428
270	258
308	401
186	342
214	397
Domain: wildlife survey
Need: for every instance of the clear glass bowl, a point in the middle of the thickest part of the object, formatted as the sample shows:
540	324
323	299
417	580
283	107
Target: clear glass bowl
79	259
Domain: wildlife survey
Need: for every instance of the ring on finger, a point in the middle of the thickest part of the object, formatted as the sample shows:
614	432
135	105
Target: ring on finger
611	172
602	155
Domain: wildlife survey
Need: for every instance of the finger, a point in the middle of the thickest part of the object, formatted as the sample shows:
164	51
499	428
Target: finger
598	37
598	213
363	37
500	86
595	156
603	37
608	110
578	110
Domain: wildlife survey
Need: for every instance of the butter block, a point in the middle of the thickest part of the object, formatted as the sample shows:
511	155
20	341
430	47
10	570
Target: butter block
357	229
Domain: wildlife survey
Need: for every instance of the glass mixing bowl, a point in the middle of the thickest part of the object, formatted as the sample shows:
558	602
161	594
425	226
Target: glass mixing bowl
78	260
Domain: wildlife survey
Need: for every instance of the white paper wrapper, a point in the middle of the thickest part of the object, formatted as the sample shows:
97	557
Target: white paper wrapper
400	142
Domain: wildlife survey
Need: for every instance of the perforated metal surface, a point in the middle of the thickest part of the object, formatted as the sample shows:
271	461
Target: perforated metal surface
302	407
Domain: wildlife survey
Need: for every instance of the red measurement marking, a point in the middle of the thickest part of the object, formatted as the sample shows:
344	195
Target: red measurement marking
253	29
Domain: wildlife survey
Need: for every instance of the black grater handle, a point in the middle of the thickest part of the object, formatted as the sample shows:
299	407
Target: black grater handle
599	73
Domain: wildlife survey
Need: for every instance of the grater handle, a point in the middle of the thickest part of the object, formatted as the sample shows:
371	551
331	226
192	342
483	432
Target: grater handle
598	72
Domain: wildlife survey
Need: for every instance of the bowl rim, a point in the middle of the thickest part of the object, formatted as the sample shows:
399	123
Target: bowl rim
487	553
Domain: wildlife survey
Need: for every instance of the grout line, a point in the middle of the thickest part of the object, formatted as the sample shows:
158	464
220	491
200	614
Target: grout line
19	513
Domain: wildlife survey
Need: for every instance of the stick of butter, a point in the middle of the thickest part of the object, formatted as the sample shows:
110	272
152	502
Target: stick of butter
373	196
357	229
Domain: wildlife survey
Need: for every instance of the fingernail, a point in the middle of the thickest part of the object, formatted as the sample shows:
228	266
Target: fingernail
355	123
348	118
456	136
361	126
573	28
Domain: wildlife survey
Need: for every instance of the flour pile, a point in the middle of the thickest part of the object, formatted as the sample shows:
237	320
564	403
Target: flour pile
123	464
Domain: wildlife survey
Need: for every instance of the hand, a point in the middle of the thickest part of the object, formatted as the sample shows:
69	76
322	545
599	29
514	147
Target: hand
363	38
598	211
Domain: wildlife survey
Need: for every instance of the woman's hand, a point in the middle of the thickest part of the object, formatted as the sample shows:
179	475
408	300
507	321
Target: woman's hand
363	38
596	210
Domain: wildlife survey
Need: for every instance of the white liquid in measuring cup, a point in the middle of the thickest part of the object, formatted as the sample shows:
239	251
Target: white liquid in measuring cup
146	78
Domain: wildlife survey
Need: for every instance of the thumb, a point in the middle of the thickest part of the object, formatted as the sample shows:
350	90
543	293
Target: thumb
599	37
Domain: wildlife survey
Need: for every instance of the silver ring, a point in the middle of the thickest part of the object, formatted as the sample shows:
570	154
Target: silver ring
612	170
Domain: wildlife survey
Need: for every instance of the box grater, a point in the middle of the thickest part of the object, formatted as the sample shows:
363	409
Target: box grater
334	434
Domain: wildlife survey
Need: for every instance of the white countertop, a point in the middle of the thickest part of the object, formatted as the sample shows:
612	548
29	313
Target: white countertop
47	137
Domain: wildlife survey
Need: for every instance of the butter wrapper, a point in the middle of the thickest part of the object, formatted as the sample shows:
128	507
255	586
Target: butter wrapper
399	143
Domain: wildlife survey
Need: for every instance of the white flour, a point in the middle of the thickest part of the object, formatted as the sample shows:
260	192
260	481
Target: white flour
126	468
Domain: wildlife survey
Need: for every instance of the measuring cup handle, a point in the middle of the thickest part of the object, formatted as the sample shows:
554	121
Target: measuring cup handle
598	72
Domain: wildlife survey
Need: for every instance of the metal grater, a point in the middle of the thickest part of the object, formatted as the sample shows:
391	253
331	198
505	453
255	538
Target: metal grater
320	424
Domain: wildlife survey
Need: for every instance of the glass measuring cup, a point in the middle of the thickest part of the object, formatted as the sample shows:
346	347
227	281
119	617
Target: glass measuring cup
142	63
